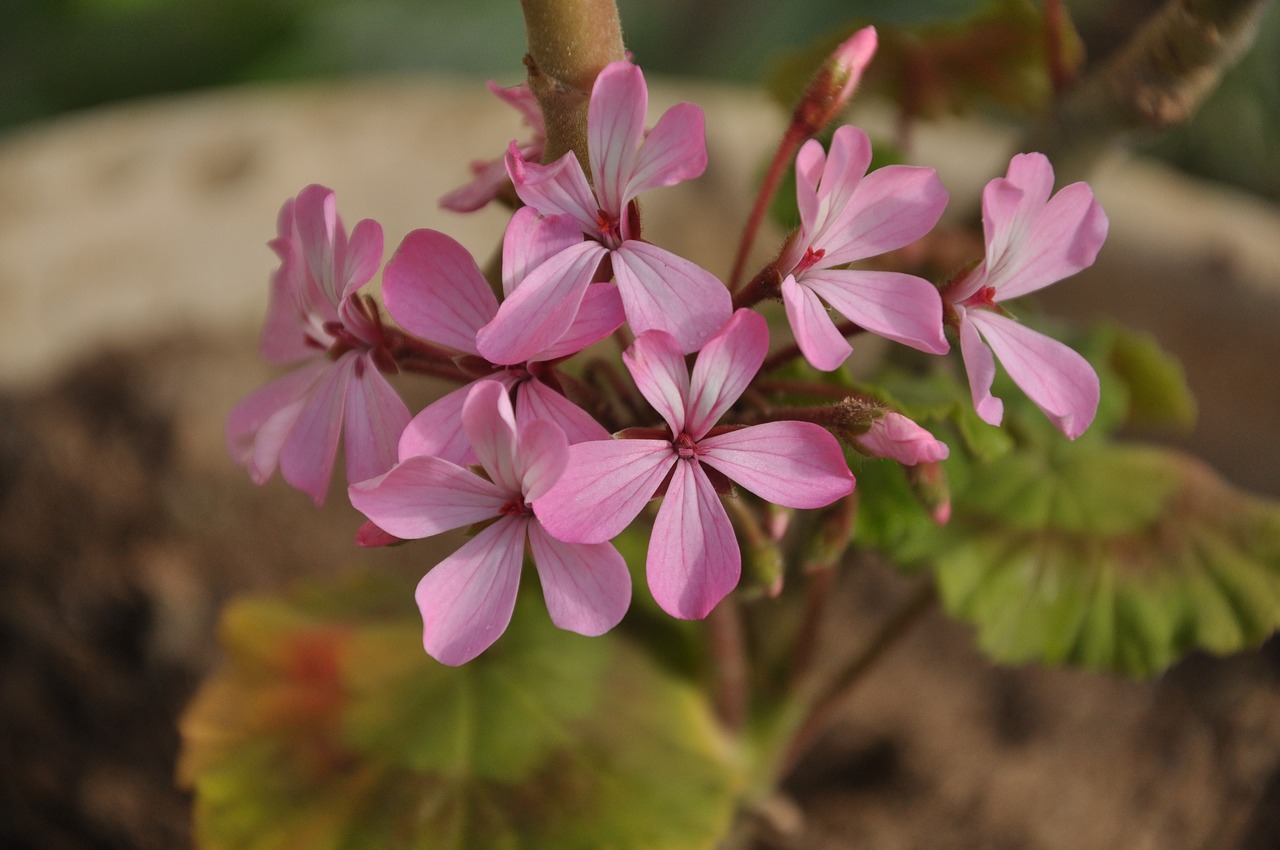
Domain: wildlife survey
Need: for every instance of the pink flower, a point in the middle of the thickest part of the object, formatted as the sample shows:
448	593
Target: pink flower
894	436
1033	240
490	175
315	313
467	599
693	556
434	289
659	289
848	215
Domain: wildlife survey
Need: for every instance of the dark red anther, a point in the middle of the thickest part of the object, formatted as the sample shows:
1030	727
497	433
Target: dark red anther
516	507
809	260
685	447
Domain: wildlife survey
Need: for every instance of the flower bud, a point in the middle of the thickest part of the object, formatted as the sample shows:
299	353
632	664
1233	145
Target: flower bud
834	83
929	483
893	435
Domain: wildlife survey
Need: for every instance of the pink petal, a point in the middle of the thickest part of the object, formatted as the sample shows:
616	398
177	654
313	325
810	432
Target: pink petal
257	427
810	163
980	364
604	487
424	496
847	162
490	423
284	337
542	309
599	315
532	239
816	334
656	363
1063	238
437	430
675	150
724	368
586	585
557	188
315	215
375	418
522	99
615	126
535	400
889	208
1056	378
661	291
900	307
360	257
467	599
306	458
434	289
483	187
897	437
693	559
795	464
542	453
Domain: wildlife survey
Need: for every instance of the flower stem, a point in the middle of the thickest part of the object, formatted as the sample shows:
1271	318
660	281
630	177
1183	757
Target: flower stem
727	635
787	147
569	42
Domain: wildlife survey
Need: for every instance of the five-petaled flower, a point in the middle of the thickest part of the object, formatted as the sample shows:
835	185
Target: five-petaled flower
848	215
1033	240
659	289
467	599
316	313
693	559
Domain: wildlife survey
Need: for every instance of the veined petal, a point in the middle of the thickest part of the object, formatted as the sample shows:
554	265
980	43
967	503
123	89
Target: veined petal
980	365
483	187
887	209
490	423
816	334
599	315
542	308
424	496
532	239
615	126
257	427
434	289
897	437
557	188
306	458
604	487
1056	378
896	306
437	430
675	150
724	368
693	559
810	162
1062	239
586	585
847	162
656	363
360	257
315	215
467	599
375	419
535	400
666	292
795	464
542	453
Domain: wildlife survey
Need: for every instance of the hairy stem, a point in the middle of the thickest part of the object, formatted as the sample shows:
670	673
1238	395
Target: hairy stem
1154	82
569	42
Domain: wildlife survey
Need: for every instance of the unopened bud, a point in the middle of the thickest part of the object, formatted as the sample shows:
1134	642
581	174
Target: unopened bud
833	534
929	483
763	568
894	436
834	83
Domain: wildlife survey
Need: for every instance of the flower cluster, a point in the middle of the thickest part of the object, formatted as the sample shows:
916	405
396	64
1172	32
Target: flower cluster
544	449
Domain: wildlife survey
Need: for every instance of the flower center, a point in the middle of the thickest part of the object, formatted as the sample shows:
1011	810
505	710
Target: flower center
685	447
809	260
516	507
609	228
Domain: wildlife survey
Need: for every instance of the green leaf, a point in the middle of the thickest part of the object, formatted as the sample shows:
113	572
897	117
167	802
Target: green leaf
1121	558
335	731
1156	383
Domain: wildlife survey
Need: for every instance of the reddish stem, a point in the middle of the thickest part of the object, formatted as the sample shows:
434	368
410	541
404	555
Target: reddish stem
787	147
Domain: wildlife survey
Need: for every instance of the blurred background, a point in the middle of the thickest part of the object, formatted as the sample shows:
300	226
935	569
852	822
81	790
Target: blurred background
61	55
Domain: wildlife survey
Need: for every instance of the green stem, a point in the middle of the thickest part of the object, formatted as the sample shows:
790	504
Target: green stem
569	42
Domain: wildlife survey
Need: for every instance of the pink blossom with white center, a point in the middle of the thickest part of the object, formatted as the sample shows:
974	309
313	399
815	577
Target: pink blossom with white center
1033	240
467	599
659	289
315	313
434	289
848	215
894	436
693	559
490	175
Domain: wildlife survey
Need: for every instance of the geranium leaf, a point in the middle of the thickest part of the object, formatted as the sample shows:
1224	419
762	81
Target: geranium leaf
333	730
1115	557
